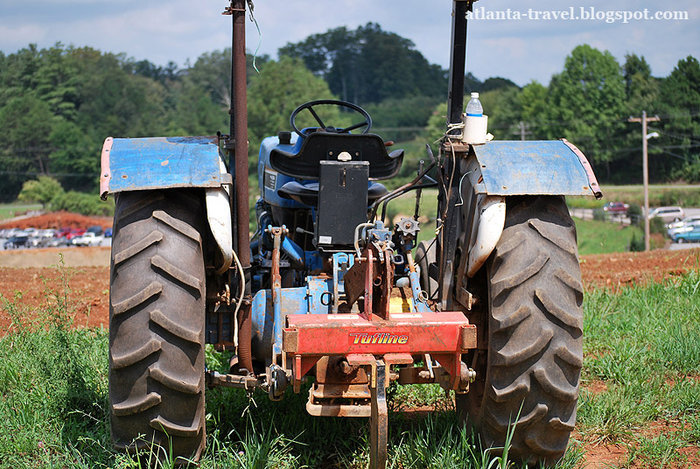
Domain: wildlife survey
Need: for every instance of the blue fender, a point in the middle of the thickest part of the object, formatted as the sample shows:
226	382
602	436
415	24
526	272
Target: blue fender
509	168
130	164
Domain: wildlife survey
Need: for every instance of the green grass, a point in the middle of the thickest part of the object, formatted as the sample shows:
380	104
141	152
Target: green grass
642	343
659	195
598	237
15	209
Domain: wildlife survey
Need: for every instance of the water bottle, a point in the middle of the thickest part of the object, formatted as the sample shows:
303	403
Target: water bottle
474	106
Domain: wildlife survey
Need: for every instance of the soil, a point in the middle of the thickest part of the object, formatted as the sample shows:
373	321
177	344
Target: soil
87	269
27	275
623	269
57	220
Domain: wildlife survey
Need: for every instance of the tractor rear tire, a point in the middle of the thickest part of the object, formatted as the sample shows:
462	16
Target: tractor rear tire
531	366
156	324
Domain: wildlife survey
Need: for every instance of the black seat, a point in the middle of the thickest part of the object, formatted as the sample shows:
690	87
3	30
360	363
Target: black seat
307	194
327	146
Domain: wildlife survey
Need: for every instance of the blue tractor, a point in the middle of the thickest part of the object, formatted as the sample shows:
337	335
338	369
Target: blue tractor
327	288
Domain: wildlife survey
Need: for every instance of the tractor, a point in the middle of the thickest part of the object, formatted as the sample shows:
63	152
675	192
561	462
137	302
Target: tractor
328	291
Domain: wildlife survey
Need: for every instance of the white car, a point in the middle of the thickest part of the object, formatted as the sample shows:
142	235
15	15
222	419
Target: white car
683	222
667	214
88	239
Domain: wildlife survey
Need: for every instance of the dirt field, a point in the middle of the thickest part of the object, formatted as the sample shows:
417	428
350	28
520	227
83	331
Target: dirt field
29	275
87	270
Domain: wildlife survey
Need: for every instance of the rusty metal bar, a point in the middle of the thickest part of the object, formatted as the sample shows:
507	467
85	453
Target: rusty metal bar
238	142
379	419
215	379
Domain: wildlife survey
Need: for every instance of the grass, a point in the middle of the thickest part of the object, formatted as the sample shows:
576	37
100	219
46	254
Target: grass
598	237
14	209
659	195
642	343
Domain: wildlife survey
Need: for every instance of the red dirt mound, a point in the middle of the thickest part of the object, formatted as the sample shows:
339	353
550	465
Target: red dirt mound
58	220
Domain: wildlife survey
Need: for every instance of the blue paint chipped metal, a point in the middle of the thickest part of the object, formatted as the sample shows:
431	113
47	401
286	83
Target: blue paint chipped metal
163	162
533	167
267	323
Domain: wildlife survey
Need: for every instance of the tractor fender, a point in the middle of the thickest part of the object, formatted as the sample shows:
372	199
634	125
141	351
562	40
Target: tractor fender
488	226
137	164
510	168
500	169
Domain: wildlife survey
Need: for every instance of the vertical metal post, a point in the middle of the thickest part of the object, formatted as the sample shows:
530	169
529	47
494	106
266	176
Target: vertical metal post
239	128
238	144
458	60
645	170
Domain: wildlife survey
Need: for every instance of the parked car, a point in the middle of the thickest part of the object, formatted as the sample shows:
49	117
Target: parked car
87	239
74	233
16	242
56	242
108	233
616	208
667	214
683	222
690	234
95	229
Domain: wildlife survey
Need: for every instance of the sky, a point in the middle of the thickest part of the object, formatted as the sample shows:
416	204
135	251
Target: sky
526	44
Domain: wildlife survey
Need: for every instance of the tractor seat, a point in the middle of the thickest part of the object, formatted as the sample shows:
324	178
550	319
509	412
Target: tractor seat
307	194
327	146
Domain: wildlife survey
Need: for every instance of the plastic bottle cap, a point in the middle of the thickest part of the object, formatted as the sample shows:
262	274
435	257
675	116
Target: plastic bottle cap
475	95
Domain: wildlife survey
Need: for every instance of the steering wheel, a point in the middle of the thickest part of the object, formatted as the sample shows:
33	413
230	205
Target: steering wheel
367	123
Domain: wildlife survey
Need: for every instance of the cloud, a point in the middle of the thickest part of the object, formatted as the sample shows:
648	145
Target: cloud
183	29
20	35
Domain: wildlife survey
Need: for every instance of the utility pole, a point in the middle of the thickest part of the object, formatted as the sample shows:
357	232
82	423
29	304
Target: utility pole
523	130
645	169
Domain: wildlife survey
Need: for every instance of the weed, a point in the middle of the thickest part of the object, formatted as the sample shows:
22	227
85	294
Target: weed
658	452
54	409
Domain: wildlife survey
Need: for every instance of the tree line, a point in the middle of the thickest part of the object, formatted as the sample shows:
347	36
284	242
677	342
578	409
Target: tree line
58	104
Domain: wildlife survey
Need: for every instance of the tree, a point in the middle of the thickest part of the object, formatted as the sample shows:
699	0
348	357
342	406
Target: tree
26	123
74	159
503	108
641	94
41	190
437	123
497	83
403	118
534	109
277	91
368	65
680	106
586	103
57	81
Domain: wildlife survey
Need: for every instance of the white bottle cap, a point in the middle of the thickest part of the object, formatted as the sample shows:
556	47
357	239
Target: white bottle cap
475	95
